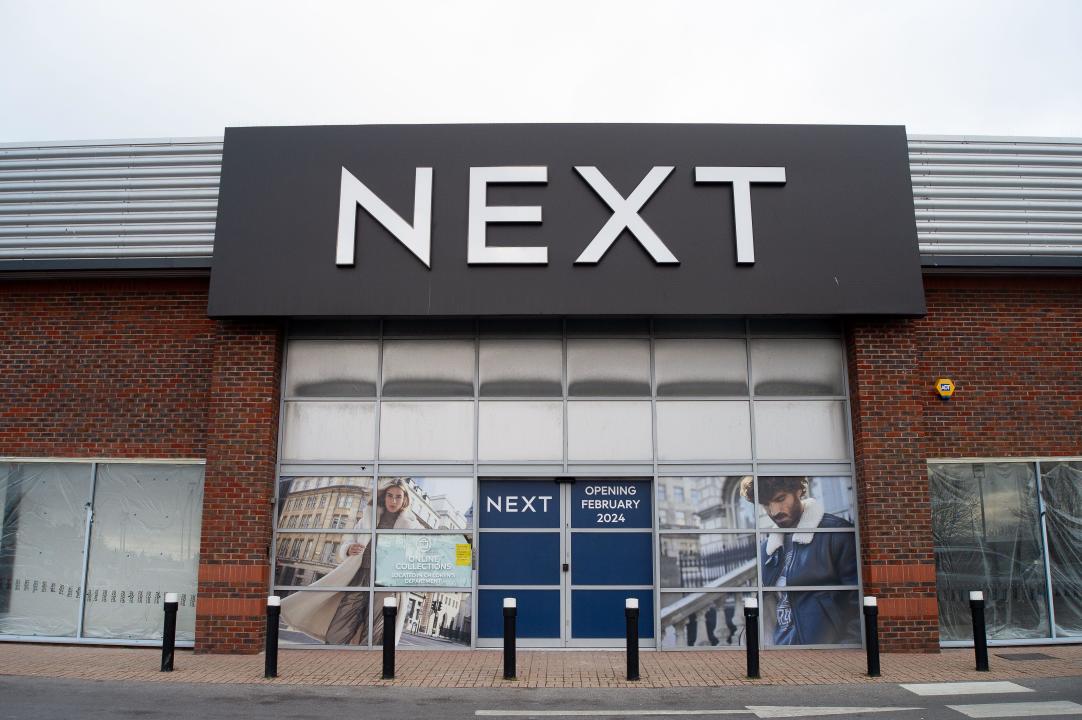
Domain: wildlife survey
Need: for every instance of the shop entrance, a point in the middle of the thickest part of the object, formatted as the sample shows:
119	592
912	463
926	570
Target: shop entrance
570	551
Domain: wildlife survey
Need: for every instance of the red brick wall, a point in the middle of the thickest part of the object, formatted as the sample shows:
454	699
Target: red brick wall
134	368
1011	347
237	511
104	368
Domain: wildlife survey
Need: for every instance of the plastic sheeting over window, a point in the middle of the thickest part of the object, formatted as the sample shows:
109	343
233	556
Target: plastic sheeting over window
41	549
144	542
987	533
1062	492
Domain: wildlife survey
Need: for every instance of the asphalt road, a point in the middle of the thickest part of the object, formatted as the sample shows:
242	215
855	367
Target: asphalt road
45	699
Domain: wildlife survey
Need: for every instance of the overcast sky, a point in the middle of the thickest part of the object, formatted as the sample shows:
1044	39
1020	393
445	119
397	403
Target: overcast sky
93	69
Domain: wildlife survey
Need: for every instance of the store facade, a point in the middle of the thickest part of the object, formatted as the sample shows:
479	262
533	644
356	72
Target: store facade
455	364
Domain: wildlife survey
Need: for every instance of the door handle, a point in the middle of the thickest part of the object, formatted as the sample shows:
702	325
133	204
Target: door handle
567	567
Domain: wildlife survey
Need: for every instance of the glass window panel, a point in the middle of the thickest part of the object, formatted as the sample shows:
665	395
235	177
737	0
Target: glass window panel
424	560
794	559
431	503
700	367
702	560
323	560
702	619
144	542
608	327
698	327
616	368
426	431
334	328
1062	487
428	368
312	617
427	327
337	503
615	430
332	368
521	368
798	367
703	430
828	501
811	617
801	430
329	431
765	327
432	619
41	549
521	327
986	530
518	431
703	503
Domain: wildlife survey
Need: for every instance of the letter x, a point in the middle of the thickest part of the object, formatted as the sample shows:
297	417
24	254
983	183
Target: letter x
625	214
527	504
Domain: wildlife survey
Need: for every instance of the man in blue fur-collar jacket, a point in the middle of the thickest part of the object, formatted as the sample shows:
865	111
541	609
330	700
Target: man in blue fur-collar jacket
797	557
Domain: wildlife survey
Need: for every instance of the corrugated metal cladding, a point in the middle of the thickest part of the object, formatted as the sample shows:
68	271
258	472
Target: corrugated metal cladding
997	201
992	201
148	203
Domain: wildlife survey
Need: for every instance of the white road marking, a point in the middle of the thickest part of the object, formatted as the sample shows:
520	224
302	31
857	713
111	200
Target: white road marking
1020	709
762	711
603	713
965	688
782	711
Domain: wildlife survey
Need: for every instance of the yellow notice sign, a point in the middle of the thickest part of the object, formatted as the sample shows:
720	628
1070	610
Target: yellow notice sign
463	554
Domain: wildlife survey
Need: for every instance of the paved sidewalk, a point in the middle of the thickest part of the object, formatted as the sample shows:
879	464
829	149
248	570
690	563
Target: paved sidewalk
554	669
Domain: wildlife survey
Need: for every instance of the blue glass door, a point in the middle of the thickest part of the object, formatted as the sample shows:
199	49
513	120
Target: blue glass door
610	541
570	551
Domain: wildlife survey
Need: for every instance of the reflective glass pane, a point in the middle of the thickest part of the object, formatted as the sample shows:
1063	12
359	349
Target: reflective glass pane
780	327
801	430
700	367
428	327
41	549
698	327
521	327
700	560
811	617
615	368
798	367
333	328
328	431
426	431
811	559
516	431
1062	487
616	430
521	368
144	542
986	529
424	560
332	368
703	430
432	619
702	619
702	503
608	327
323	560
337	503
428	368
430	503
312	617
803	501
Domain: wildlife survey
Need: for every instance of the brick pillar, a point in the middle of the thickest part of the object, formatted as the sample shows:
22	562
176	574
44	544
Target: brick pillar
897	555
242	435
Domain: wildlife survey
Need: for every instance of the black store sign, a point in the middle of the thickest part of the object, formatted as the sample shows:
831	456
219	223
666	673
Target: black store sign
527	220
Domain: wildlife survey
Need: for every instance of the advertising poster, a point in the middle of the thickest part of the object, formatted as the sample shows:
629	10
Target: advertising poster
424	561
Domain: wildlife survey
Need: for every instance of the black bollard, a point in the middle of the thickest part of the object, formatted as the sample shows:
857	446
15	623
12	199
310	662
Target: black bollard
169	632
274	610
390	612
510	610
751	636
631	614
980	634
871	634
